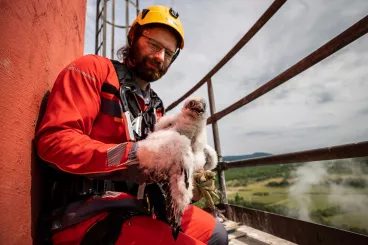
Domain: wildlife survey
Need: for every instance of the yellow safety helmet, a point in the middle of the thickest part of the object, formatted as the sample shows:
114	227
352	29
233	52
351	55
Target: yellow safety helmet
160	15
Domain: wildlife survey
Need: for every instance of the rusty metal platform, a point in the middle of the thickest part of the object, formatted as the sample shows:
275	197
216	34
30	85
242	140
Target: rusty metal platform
244	235
256	227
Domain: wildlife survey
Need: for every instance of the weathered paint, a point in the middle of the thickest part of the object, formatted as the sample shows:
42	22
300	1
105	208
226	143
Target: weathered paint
38	38
293	230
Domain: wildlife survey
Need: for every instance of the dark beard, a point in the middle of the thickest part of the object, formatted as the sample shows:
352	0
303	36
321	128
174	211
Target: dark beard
141	69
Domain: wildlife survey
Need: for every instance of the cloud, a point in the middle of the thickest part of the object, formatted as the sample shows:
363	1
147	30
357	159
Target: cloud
363	112
323	97
323	106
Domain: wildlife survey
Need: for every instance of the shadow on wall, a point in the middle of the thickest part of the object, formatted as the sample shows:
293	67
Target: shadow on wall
38	188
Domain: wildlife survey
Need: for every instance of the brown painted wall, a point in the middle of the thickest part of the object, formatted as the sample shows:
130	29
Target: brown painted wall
37	39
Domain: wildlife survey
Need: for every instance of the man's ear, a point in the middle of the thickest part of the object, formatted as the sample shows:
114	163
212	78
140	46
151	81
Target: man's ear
134	34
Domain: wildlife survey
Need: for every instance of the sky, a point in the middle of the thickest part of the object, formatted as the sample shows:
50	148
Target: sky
324	106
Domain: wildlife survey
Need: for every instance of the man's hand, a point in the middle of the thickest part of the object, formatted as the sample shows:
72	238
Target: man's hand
165	151
161	153
141	174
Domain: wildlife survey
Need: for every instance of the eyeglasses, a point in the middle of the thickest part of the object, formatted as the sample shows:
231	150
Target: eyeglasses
156	46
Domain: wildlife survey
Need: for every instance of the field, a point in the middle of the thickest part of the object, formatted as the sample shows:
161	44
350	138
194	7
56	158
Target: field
332	193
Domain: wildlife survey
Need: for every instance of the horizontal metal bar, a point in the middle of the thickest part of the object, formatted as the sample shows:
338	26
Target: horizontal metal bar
275	6
99	14
99	30
329	153
118	26
101	43
293	230
348	36
130	1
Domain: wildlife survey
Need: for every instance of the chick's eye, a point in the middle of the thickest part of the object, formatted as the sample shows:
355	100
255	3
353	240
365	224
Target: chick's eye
191	103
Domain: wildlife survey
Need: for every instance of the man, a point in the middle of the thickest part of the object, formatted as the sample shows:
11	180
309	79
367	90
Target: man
86	134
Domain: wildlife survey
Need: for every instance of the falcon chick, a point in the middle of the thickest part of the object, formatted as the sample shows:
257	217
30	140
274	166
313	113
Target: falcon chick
178	147
191	122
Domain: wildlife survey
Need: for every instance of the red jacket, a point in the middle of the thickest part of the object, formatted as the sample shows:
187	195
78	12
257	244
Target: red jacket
83	130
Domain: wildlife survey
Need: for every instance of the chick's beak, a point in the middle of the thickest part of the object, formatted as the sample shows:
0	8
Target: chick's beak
197	106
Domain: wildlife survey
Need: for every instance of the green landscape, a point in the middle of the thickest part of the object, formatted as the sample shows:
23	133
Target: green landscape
332	193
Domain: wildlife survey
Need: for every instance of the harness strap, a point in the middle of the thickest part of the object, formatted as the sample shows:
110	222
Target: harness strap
146	119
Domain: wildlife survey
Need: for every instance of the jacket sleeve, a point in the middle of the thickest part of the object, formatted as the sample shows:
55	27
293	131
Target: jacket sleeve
74	102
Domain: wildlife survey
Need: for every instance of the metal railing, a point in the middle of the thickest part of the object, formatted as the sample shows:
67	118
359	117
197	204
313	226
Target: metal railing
275	6
297	231
102	22
336	152
344	151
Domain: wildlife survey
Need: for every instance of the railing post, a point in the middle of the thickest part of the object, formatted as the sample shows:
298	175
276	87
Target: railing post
113	30
126	18
137	6
97	22
104	28
216	139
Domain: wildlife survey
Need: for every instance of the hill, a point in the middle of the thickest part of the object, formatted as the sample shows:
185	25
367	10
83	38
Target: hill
242	157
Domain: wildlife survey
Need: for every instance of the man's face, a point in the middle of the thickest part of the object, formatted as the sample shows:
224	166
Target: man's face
153	52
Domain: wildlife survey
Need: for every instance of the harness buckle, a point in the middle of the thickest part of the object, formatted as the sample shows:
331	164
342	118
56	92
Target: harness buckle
137	125
128	119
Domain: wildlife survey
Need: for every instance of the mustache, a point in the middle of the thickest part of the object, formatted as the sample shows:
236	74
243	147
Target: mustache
158	65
